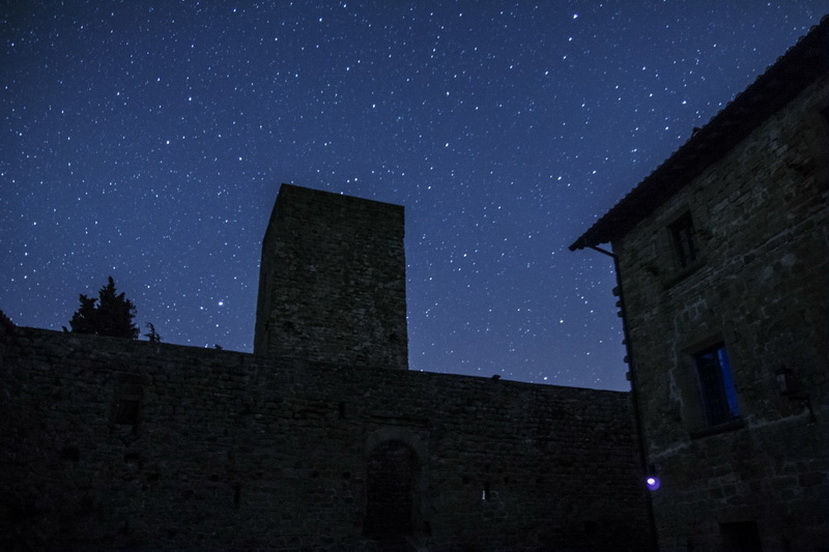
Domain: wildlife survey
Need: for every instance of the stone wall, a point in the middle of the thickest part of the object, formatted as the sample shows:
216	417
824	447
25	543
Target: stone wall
761	286
332	284
108	443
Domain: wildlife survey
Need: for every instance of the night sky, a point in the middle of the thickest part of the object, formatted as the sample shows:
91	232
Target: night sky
147	141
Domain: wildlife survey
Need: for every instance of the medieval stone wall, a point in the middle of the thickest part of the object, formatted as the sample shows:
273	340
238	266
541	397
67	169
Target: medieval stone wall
760	286
332	283
108	443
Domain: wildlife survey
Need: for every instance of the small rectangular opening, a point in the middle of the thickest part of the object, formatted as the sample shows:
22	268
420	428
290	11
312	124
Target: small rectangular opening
126	407
126	412
683	237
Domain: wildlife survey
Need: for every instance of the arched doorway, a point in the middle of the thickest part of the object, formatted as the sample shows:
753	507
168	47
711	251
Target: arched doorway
391	477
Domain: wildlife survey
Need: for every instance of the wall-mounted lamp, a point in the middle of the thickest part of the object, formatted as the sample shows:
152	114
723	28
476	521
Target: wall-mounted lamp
785	380
652	482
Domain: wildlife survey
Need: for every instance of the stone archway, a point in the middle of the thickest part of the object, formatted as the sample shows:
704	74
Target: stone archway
392	473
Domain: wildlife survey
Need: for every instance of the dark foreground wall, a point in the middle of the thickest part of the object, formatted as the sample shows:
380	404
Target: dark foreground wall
108	443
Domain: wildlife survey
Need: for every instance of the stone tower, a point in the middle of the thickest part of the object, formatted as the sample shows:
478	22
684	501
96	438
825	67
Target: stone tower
332	283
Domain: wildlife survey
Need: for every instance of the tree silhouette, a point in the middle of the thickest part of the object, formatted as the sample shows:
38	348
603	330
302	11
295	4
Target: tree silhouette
84	319
112	315
152	335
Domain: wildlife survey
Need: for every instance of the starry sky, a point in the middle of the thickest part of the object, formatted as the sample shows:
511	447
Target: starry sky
147	141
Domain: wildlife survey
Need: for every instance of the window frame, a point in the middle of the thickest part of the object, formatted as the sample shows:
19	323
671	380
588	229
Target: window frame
684	241
718	398
681	251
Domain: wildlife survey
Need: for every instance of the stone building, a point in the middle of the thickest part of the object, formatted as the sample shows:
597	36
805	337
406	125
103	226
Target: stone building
333	281
320	441
722	261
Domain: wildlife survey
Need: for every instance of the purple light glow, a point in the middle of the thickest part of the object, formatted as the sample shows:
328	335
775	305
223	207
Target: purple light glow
652	483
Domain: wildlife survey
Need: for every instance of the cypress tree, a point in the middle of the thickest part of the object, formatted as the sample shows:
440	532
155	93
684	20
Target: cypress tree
112	316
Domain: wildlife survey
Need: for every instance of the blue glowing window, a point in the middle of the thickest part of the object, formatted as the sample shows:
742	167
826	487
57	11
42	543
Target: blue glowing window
719	397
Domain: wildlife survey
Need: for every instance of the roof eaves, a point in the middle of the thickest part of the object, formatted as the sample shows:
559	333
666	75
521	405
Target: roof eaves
801	65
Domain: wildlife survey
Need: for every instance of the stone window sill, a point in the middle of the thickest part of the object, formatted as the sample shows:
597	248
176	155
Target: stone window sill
682	273
725	427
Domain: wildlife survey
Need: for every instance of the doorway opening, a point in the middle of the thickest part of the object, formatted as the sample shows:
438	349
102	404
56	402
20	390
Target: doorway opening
391	475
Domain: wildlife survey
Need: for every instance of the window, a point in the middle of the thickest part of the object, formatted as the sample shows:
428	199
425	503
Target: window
126	406
682	234
719	397
126	411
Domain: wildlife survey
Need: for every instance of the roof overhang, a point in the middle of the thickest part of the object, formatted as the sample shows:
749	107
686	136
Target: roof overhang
800	66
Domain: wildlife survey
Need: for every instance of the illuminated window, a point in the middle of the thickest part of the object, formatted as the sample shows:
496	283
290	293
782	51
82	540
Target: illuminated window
682	234
719	397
